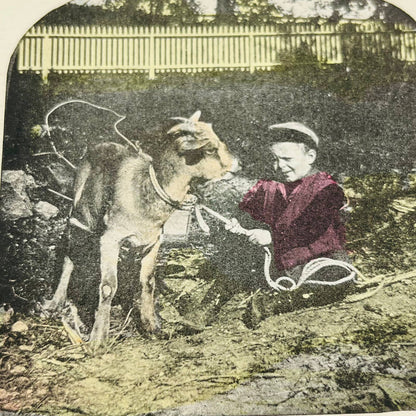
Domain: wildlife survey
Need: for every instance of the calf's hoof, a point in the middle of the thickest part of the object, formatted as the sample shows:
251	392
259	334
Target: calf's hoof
149	326
51	307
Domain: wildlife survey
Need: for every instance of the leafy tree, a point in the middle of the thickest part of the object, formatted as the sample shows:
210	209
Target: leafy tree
247	11
257	12
156	11
383	10
391	14
225	11
126	12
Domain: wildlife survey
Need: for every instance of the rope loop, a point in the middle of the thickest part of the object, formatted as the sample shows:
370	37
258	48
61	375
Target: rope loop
308	271
115	125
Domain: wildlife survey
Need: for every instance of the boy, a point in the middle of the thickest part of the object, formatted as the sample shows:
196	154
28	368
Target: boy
302	211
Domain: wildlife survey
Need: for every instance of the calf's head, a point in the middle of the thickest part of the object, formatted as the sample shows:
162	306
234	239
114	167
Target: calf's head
199	149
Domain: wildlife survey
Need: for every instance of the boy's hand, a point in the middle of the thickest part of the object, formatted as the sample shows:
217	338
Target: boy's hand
256	236
234	226
260	237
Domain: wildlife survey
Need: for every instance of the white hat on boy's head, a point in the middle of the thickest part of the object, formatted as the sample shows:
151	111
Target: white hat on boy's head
294	125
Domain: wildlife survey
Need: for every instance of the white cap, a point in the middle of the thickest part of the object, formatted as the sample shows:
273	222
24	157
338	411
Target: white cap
294	125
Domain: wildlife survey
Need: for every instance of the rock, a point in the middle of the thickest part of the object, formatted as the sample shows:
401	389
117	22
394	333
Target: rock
19	369
46	210
19	326
14	201
26	347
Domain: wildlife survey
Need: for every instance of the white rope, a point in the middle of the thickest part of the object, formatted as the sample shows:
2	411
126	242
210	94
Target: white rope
309	270
120	119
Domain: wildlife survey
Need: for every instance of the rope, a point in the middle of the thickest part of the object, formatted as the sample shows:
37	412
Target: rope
309	270
120	119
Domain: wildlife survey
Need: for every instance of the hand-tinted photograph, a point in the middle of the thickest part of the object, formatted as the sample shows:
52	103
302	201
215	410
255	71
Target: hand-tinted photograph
208	207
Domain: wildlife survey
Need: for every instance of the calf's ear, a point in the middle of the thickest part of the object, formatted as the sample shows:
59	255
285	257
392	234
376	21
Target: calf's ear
188	143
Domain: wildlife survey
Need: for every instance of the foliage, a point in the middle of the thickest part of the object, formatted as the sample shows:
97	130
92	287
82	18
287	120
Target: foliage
353	378
126	12
381	238
20	117
28	259
390	13
247	12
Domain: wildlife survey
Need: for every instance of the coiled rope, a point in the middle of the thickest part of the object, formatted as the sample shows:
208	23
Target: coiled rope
308	271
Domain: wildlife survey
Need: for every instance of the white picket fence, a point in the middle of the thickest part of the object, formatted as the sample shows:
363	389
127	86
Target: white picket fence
152	50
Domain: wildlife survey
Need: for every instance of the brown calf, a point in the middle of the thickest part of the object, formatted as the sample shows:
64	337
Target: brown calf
129	197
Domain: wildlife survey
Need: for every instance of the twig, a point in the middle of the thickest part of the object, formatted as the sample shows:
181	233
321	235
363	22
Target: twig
73	336
17	296
212	379
383	282
44	154
61	195
61	156
47	326
58	154
123	327
55	362
244	301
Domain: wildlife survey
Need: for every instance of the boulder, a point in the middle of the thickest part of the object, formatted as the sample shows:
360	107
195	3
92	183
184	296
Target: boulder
46	210
14	201
19	326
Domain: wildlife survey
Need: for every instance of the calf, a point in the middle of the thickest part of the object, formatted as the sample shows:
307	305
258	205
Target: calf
122	197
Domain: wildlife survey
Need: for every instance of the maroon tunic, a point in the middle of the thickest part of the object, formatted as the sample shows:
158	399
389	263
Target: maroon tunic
303	216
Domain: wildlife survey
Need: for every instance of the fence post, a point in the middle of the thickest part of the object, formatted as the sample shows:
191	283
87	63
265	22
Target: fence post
46	56
251	55
152	63
340	56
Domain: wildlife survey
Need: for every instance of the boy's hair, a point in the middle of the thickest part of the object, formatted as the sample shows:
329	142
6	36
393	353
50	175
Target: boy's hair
295	133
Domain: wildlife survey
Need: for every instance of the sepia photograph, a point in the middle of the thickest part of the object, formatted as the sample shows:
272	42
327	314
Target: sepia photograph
208	207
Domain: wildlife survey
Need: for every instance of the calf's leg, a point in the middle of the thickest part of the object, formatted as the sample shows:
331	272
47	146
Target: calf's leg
109	246
59	298
147	279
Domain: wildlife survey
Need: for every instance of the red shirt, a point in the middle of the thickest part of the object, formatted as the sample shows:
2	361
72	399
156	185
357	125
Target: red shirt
303	216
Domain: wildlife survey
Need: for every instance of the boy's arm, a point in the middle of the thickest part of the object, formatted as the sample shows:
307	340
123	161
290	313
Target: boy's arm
253	201
253	204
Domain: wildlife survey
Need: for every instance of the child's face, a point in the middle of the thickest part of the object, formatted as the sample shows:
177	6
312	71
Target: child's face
292	160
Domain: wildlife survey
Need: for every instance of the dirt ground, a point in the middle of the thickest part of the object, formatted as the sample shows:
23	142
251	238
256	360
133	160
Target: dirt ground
351	356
